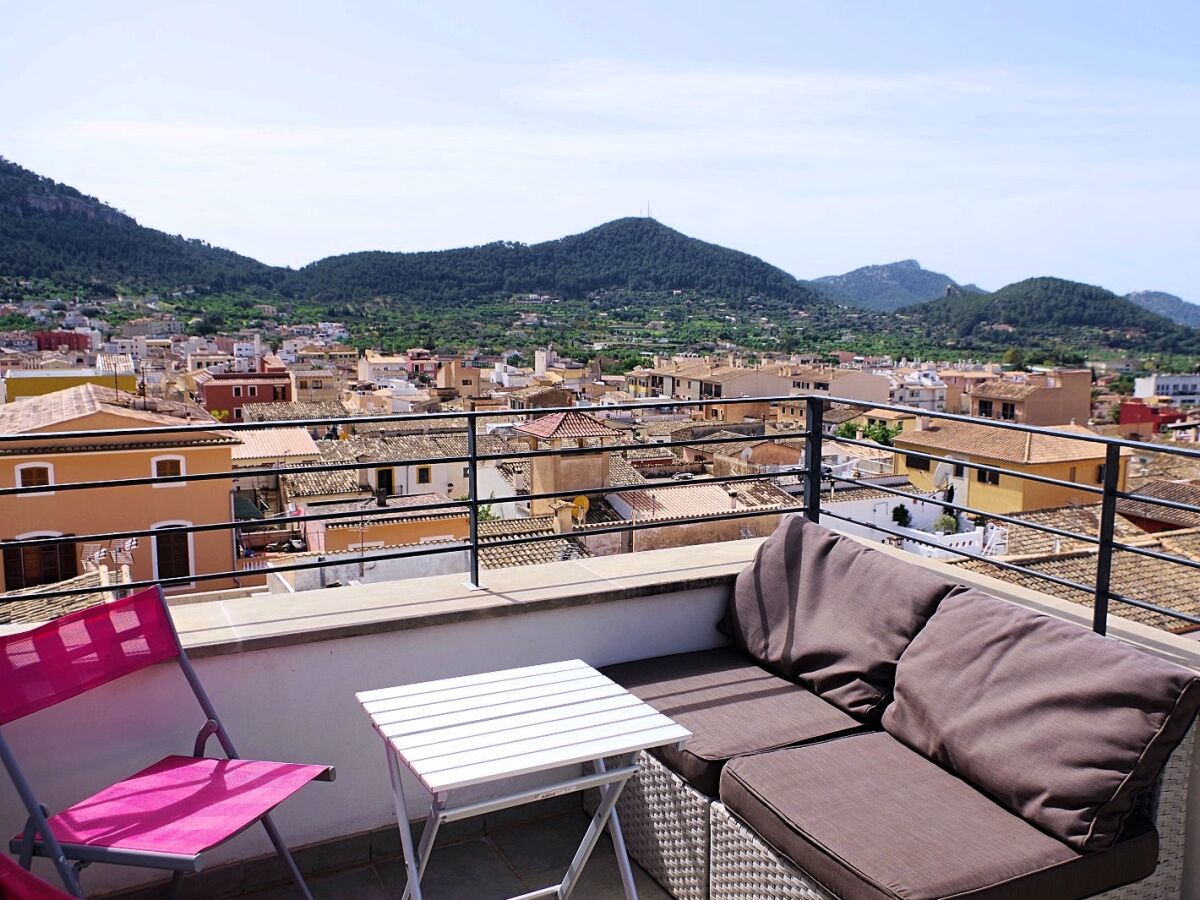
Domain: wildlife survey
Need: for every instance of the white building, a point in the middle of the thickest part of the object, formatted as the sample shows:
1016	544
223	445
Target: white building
1180	390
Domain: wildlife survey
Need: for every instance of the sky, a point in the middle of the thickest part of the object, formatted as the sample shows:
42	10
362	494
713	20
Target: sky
992	141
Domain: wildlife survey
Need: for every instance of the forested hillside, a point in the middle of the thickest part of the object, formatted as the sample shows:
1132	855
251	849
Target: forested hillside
51	231
629	254
1038	311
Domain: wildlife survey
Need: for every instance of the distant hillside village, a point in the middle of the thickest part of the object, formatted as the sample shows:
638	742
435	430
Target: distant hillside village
367	490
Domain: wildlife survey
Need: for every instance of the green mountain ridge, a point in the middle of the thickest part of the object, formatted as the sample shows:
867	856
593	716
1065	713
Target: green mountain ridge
55	241
636	254
51	231
886	288
1037	310
1167	305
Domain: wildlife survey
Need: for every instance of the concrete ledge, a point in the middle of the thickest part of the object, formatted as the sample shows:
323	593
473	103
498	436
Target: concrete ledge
261	622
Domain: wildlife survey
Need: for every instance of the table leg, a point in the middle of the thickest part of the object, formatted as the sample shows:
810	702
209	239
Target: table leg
432	824
411	865
618	839
608	800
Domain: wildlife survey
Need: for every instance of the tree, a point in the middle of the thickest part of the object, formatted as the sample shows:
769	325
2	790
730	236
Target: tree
846	430
881	433
946	523
1014	357
901	516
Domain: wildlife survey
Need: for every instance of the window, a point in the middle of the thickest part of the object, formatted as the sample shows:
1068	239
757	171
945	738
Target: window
40	564
424	475
1100	474
253	389
958	471
985	408
237	390
279	393
35	475
467	382
1071	476
987	477
172	551
1008	411
466	471
168	467
916	462
237	413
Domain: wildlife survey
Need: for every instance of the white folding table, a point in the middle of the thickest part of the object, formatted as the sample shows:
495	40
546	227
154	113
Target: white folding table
475	730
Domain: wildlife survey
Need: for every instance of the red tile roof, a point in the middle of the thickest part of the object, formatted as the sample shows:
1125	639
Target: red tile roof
566	425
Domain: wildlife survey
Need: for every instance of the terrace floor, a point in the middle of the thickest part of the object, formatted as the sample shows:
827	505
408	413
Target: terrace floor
505	861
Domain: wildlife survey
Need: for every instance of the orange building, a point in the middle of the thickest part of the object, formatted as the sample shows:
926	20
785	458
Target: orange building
41	461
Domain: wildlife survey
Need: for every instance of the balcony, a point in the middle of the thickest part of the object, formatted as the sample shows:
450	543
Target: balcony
283	668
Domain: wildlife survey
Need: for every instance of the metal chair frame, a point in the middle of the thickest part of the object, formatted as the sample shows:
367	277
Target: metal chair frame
37	838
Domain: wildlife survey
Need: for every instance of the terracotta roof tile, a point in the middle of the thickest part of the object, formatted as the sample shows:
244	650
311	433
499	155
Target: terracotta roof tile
569	425
1004	444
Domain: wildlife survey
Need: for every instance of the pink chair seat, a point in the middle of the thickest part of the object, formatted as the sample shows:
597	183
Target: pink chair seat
181	805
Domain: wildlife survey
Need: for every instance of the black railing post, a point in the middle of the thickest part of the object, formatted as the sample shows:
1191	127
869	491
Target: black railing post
814	416
1108	518
473	499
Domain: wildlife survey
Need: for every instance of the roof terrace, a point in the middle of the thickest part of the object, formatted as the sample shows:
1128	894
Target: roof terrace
283	668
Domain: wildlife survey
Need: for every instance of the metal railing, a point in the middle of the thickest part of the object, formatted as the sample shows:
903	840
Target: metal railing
812	474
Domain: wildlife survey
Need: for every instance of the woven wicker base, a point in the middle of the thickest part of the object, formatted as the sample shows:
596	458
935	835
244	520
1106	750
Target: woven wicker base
665	823
742	867
1170	815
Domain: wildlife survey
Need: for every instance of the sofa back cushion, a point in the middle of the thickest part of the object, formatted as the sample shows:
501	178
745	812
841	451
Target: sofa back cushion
1060	725
828	612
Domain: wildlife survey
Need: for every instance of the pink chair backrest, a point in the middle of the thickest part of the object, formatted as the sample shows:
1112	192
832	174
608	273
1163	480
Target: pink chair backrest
83	650
17	884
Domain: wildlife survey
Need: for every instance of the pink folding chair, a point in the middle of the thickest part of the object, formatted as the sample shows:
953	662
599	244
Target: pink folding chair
166	815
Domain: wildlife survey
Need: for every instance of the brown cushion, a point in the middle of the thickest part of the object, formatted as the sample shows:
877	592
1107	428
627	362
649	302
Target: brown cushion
824	610
1060	725
868	818
731	705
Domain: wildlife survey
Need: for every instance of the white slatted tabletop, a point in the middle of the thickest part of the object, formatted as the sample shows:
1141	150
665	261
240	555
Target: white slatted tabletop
457	732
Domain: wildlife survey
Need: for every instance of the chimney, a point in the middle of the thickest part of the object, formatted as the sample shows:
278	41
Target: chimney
381	497
922	423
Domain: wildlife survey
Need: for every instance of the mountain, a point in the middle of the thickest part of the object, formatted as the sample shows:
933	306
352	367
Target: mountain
1174	308
51	231
889	287
1038	311
636	254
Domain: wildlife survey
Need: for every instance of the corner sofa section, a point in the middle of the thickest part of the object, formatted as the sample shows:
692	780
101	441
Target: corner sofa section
876	731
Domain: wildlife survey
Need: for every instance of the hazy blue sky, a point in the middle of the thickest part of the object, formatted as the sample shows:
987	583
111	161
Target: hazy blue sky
992	141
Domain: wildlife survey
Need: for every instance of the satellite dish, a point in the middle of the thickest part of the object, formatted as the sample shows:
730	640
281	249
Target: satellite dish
942	475
581	505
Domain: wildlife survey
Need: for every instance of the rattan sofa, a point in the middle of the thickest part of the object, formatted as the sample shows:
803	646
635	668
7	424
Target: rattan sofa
873	730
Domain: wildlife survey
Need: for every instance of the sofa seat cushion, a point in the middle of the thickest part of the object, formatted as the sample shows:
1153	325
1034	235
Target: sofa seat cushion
826	611
1060	725
731	705
867	817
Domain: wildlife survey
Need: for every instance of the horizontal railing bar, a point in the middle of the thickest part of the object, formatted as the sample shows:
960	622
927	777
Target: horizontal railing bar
1151	607
251	525
1156	501
241	524
968	510
471	415
980	467
188	580
319	468
993	561
1053	579
1157	554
